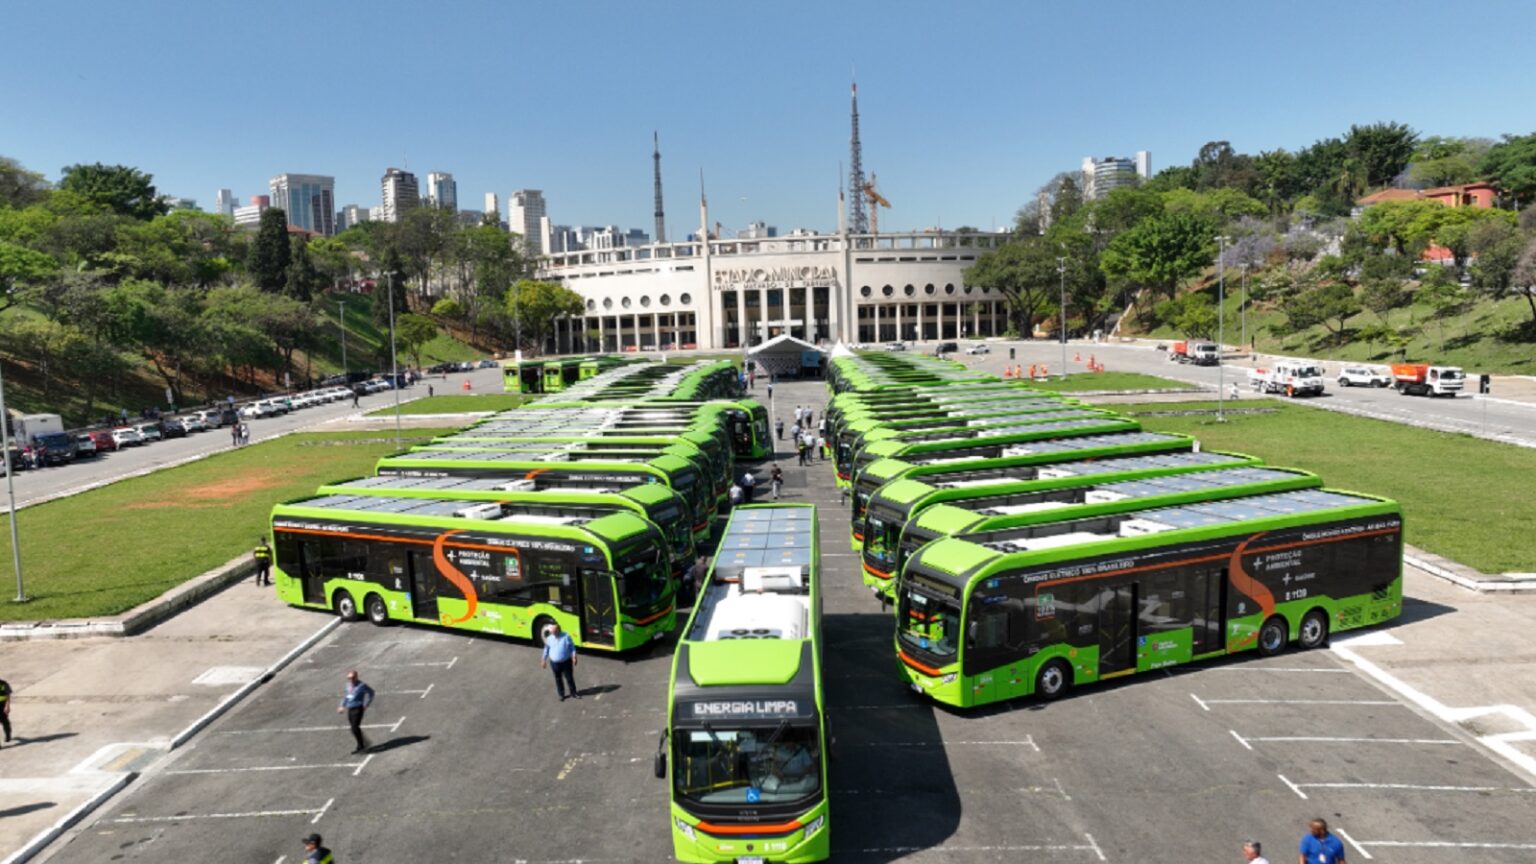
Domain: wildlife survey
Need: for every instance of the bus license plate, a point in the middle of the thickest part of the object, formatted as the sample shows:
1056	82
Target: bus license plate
757	860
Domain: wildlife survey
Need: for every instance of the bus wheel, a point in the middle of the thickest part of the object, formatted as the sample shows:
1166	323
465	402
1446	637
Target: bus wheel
1053	680
346	607
1314	630
1272	637
378	613
540	624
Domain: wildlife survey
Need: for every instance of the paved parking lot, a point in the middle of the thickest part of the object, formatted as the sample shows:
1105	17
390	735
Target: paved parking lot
478	760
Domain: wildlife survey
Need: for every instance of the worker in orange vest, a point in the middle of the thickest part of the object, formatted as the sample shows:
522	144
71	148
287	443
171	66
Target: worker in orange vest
1031	371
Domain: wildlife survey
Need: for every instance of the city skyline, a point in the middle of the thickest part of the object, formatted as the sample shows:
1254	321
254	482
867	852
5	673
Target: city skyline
965	137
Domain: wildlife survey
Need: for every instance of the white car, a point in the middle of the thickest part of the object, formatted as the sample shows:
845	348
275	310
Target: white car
895	346
127	436
1363	376
979	348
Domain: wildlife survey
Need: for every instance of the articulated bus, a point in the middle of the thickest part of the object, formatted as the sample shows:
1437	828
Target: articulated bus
1061	449
481	567
678	474
654	501
888	545
746	723
982	620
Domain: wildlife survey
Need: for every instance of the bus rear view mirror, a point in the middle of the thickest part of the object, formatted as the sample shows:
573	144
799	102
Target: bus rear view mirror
660	766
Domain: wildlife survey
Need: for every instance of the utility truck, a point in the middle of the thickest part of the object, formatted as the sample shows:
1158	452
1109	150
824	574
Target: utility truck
1291	377
1422	379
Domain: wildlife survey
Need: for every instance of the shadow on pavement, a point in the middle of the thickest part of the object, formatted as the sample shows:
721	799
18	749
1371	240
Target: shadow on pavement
397	743
41	739
26	808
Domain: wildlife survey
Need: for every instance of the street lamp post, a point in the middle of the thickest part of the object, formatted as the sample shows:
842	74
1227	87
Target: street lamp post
1244	307
394	363
1061	268
341	319
1221	332
10	492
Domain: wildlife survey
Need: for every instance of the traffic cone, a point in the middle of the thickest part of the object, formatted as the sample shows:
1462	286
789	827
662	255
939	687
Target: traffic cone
466	384
1077	357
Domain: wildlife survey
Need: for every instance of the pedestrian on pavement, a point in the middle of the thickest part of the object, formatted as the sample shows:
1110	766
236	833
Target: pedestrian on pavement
809	417
737	494
560	656
1253	852
821	447
263	557
696	575
794	431
5	709
799	412
245	434
770	389
314	853
1319	846
354	397
748	483
800	448
752	380
776	479
354	702
1235	395
778	426
429	389
234	434
808	443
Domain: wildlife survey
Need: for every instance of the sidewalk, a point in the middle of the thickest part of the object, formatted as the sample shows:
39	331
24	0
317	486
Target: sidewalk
88	711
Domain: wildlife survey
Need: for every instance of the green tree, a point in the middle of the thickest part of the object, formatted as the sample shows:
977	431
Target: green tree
1279	179
271	253
1511	166
1067	200
1524	279
1193	315
413	332
164	325
1161	252
1025	271
1384	283
302	281
1443	295
535	306
125	191
1441	161
1381	150
1497	246
20	267
1328	305
1218	166
19	187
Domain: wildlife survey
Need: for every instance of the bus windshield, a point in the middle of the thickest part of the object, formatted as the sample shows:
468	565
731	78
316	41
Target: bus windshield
642	578
929	623
740	766
672	522
881	537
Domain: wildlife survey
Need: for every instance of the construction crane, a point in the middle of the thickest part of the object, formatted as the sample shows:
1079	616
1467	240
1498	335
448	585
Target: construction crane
876	201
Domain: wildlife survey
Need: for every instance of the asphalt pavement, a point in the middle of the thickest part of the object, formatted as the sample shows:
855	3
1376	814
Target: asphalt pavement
477	760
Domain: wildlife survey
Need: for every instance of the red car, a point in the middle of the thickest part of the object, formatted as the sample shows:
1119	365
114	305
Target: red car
104	441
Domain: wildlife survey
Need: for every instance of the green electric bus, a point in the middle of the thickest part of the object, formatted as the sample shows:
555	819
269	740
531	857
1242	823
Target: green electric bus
746	732
888	545
987	617
746	420
654	501
486	568
853	434
678	474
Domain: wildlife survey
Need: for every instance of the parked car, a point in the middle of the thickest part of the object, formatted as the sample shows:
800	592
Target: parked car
104	441
895	346
85	446
1364	376
979	348
194	423
946	348
54	448
127	436
149	432
172	427
487	364
440	368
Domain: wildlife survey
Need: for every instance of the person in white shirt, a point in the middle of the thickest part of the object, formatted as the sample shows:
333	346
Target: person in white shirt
1252	852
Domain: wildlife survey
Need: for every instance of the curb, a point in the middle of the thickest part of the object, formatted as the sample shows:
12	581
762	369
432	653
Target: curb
69	820
1486	585
141	617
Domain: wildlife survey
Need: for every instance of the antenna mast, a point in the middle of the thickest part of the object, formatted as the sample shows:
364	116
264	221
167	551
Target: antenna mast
858	221
661	219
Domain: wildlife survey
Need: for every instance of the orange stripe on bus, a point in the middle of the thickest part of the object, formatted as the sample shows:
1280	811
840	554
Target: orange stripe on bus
921	667
459	580
649	618
876	573
734	830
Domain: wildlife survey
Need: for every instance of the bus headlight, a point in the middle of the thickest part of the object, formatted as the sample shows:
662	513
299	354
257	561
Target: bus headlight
815	824
629	627
685	829
948	679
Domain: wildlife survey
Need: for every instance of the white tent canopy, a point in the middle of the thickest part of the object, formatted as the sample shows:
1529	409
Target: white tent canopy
787	356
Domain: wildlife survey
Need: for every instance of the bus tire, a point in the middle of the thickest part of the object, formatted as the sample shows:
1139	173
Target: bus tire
539	625
378	613
1314	630
1053	680
1273	636
345	606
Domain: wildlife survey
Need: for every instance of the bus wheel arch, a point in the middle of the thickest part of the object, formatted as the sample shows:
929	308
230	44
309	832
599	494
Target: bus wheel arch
540	624
1313	632
345	605
378	612
1053	680
1273	636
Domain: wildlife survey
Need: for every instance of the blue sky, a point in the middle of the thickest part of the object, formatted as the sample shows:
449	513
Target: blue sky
966	107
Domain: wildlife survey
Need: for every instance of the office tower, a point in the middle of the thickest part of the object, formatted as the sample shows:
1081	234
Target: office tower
525	216
352	215
224	202
400	193
442	190
493	204
308	199
1101	176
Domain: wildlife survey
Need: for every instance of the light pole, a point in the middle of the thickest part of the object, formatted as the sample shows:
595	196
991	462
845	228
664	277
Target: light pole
394	364
1244	307
10	492
1061	268
1221	332
341	319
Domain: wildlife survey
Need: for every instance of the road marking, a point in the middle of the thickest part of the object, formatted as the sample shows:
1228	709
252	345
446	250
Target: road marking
1090	846
1240	739
446	664
328	803
393	727
1436	844
1206	703
1302	669
250	814
418	693
1294	788
1200	702
1323	739
1028	741
280	859
1358	848
1413	787
1094	844
268	768
396	727
569	765
363	764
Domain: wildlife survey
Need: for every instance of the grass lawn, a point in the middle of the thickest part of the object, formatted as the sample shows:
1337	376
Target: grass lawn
107	550
368	340
1110	381
1463	497
454	403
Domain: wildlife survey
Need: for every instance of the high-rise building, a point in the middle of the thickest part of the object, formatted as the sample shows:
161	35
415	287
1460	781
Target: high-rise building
376	213
493	204
176	202
308	199
224	202
1101	176
442	190
251	213
351	215
1144	164
525	216
400	193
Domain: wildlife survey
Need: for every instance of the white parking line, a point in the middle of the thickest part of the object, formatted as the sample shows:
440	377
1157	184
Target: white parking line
1323	739
1240	739
393	727
1028	741
418	693
1206	703
1090	846
256	768
446	664
1358	848
363	764
327	806
1435	844
249	814
1298	669
1294	788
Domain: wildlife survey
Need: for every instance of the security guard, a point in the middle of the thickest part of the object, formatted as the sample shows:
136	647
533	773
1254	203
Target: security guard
263	556
5	709
314	853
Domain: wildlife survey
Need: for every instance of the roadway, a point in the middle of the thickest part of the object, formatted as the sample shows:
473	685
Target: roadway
45	483
1512	421
478	760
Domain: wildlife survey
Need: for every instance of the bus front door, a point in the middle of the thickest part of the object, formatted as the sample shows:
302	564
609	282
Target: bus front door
310	578
423	585
599	612
1117	629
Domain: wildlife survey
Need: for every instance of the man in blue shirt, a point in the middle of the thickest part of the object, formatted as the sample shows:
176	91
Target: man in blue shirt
1320	847
355	701
560	655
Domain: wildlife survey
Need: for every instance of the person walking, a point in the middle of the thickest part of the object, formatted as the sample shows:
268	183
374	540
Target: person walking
776	479
315	852
737	494
821	447
799	412
263	557
809	417
5	708
354	395
770	389
234	434
748	483
794	431
354	703
429	390
245	434
1253	852
778	426
560	656
1320	847
808	442
800	448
